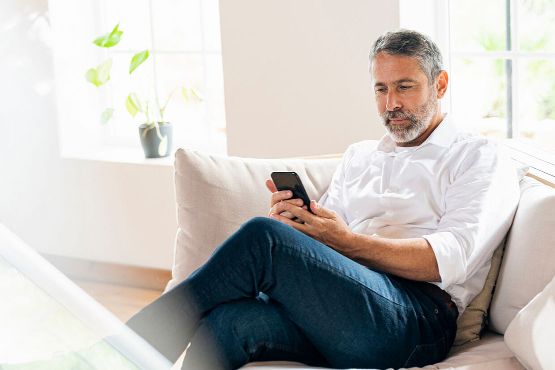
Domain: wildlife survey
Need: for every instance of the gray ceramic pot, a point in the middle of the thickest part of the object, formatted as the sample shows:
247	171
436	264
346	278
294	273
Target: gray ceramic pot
153	145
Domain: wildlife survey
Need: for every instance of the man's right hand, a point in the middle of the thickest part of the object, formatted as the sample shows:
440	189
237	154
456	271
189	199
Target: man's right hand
282	196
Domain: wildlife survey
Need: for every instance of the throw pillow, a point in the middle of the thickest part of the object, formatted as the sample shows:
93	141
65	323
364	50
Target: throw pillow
531	333
472	321
529	257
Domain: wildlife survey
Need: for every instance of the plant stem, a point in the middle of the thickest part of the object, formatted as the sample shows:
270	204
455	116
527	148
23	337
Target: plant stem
147	114
163	108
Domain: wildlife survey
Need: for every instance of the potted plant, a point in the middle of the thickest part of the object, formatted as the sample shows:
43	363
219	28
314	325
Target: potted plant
155	131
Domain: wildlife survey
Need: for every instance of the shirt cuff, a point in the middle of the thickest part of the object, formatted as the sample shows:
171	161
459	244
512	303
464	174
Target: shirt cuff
450	258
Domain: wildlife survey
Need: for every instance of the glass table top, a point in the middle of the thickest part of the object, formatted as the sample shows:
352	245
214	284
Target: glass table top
47	322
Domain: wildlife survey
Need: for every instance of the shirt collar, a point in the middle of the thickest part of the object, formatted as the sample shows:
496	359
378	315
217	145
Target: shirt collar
443	135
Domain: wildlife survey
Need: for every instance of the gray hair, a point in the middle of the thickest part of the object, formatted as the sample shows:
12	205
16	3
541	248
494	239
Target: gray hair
411	44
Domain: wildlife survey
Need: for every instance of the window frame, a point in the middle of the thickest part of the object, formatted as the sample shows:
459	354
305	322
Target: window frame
438	14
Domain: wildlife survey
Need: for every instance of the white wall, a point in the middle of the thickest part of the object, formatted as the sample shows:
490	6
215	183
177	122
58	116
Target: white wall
102	211
296	84
296	74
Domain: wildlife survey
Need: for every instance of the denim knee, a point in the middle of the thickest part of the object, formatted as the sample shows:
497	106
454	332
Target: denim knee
261	226
260	223
260	233
255	234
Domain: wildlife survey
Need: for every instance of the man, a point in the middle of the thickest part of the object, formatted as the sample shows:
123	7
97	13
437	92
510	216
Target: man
378	275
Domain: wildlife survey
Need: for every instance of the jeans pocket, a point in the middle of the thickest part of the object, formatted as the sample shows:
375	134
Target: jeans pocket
427	353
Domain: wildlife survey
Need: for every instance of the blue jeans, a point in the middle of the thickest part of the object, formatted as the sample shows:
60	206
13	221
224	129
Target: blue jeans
270	292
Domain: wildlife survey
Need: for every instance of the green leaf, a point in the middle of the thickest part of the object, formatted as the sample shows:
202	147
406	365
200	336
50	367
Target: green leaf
100	75
106	115
110	39
92	76
133	104
137	60
103	70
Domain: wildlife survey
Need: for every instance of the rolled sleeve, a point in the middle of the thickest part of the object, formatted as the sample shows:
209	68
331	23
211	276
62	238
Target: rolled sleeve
449	255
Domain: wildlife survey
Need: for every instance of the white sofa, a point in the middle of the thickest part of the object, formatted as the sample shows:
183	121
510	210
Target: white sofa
216	194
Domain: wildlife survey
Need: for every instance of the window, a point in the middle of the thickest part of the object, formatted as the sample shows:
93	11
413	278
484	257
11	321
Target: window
501	58
503	67
183	39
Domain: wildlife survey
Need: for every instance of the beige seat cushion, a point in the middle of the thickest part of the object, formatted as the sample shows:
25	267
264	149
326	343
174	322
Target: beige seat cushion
489	353
529	258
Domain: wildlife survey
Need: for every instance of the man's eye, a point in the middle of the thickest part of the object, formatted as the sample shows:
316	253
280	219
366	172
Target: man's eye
380	90
405	87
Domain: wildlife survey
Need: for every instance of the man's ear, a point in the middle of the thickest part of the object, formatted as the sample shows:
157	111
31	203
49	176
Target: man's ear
442	80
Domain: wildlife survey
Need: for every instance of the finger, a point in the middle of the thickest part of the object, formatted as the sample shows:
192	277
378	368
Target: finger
321	211
295	224
299	212
296	202
281	195
271	186
278	207
282	206
289	215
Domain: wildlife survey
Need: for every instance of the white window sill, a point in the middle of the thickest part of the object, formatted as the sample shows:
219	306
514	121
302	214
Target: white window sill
118	155
126	153
542	164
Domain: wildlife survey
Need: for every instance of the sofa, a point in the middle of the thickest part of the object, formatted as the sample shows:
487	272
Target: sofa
513	329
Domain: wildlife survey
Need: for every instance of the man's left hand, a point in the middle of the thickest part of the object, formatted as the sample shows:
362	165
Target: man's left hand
324	225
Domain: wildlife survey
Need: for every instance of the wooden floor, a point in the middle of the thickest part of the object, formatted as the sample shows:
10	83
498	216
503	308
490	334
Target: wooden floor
122	289
123	301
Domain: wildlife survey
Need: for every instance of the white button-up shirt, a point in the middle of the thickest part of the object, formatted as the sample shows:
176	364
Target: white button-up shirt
458	191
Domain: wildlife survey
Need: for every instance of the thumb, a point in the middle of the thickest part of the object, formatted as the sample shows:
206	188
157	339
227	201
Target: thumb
271	186
319	210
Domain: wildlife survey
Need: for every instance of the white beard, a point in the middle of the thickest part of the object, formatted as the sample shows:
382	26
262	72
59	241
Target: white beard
418	122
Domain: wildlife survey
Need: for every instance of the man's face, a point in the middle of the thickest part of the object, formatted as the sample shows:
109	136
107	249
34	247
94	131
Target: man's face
406	101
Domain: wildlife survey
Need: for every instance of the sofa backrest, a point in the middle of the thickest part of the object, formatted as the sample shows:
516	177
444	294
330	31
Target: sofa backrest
529	258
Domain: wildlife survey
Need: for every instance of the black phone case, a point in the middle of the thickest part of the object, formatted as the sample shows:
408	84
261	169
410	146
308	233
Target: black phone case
291	181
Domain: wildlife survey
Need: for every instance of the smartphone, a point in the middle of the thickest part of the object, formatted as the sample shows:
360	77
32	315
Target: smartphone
291	181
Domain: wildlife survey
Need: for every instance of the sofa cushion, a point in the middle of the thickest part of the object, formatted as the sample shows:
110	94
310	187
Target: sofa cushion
472	321
528	262
489	353
216	194
531	334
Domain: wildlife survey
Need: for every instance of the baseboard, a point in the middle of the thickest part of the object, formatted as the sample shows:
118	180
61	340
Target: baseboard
113	273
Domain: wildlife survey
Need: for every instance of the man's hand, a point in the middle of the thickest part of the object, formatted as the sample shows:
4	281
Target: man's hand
411	258
324	225
282	196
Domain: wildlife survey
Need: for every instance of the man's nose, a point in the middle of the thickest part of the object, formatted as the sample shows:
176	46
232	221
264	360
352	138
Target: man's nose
392	103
